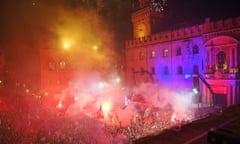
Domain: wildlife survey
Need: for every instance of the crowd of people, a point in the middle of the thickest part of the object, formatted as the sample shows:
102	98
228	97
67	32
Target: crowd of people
28	121
48	127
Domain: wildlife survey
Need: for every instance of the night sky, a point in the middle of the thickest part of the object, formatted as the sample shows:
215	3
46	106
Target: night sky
24	16
199	9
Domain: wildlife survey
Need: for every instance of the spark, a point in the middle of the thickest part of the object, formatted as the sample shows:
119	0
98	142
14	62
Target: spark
158	5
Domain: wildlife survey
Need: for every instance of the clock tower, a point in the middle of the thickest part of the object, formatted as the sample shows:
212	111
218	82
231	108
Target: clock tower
147	19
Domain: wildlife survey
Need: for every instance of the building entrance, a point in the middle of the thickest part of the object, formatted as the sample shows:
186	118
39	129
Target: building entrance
221	100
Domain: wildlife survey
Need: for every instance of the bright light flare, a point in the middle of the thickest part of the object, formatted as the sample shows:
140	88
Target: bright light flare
102	84
106	108
60	105
173	118
95	47
66	45
118	80
75	98
195	90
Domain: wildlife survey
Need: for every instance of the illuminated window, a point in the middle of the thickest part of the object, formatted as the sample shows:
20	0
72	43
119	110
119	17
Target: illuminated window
180	70
195	69
153	54
166	71
141	29
179	51
195	49
51	66
165	53
141	56
62	65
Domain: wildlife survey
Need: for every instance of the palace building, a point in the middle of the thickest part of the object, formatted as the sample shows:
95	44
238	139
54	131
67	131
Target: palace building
56	71
204	56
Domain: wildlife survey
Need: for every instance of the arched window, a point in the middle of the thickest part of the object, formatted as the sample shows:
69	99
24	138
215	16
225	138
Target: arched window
180	70
165	53
195	69
195	49
153	71
179	51
153	54
166	71
221	59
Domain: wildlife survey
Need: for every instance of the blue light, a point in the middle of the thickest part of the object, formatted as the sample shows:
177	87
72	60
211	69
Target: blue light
195	90
187	76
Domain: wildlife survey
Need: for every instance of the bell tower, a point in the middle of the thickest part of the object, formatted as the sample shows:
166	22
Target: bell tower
146	20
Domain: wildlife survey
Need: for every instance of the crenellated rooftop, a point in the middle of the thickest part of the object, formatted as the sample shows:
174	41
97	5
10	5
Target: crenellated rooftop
207	27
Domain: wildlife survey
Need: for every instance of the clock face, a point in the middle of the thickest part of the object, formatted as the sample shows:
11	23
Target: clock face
141	30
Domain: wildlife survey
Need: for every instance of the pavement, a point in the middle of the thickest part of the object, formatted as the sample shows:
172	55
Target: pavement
216	125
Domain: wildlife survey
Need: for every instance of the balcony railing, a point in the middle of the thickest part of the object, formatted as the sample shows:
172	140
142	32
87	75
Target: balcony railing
212	73
221	76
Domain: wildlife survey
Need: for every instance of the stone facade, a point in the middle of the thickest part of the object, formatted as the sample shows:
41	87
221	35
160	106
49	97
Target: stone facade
56	71
205	56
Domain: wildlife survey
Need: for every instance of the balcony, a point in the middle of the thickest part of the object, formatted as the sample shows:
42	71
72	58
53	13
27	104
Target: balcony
212	73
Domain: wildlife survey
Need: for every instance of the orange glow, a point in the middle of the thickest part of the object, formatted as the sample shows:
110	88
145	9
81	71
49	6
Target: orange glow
66	45
106	108
141	30
95	47
59	104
